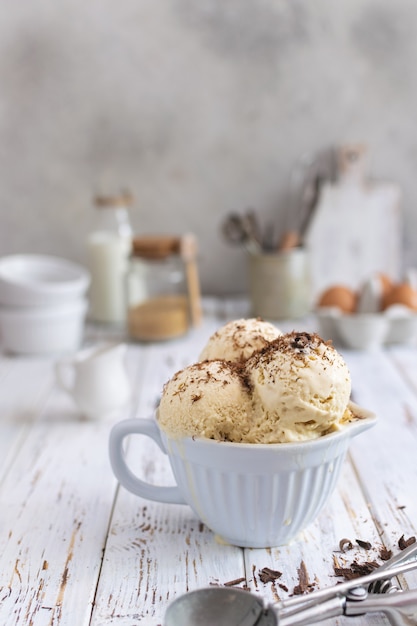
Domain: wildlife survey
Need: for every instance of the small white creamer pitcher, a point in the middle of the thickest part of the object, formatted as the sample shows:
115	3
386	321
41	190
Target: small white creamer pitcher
96	378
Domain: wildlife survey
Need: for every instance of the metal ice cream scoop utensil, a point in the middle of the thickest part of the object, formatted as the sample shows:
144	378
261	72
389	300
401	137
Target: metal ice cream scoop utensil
236	607
385	585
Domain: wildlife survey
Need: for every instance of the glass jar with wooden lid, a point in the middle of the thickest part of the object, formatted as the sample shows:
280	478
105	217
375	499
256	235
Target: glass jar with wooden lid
158	303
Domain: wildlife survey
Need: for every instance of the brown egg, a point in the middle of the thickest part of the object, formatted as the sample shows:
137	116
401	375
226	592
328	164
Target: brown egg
401	293
339	296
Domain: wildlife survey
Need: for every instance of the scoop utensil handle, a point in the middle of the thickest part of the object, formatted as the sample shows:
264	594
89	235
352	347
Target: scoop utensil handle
400	608
405	556
297	604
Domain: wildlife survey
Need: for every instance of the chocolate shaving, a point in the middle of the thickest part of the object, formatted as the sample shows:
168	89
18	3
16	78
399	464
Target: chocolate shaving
365	568
346	573
300	341
267	575
404	543
364	544
232	583
299	344
304	584
356	569
385	554
345	544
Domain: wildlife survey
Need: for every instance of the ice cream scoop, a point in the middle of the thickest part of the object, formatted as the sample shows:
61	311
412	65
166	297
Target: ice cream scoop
208	399
301	388
239	339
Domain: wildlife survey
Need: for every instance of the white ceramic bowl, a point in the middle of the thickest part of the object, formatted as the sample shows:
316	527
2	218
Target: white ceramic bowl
43	330
250	495
28	280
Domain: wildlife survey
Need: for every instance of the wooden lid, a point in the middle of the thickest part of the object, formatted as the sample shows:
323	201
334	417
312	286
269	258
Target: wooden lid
124	198
155	246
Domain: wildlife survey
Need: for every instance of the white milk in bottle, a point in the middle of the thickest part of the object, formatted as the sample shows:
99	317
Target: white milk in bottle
109	247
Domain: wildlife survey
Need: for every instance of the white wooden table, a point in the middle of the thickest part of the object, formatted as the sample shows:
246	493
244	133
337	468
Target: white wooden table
78	550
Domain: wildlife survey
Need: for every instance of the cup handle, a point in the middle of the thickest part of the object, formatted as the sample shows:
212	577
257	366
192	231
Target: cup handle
62	368
124	475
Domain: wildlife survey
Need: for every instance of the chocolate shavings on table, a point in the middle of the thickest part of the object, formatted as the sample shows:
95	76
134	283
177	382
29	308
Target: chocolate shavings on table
304	585
355	570
385	554
345	544
233	583
267	575
404	543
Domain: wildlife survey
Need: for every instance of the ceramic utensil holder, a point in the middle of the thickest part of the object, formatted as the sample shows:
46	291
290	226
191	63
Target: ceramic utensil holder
279	284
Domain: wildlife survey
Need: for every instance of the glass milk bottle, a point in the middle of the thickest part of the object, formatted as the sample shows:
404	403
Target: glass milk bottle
109	247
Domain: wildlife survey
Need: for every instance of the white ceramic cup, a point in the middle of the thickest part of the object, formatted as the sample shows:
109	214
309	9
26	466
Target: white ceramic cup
249	495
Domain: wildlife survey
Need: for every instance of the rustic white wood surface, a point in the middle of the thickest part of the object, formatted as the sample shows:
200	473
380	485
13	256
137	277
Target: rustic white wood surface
76	549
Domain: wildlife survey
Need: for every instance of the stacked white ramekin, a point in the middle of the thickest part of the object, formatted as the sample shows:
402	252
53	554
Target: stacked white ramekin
43	304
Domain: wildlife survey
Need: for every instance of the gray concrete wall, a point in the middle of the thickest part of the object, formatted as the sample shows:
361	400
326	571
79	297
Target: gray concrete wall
199	107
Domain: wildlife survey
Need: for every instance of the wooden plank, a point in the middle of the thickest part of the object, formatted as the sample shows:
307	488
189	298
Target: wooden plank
24	387
385	461
56	501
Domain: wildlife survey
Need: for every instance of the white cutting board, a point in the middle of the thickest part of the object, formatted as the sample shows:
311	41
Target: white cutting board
356	231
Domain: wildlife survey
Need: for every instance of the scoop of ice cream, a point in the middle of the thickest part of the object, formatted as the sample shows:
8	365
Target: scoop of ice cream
208	399
301	389
239	339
